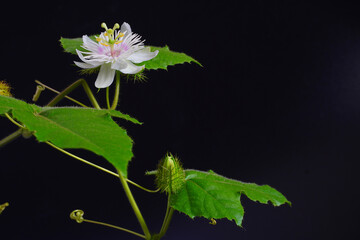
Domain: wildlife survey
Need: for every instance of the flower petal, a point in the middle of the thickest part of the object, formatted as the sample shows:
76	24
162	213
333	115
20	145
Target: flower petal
125	28
105	76
90	44
142	55
119	64
83	65
94	62
131	68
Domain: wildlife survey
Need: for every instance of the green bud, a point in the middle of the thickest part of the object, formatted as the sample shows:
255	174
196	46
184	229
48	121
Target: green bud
170	176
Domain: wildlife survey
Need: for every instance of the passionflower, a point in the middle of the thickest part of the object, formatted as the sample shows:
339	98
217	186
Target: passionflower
114	50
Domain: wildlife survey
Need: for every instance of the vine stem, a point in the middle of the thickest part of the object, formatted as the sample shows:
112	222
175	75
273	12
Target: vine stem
167	219
117	91
70	88
135	207
57	92
11	137
116	227
99	167
107	98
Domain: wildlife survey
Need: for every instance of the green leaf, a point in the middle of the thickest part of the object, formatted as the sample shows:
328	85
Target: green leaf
209	195
165	57
72	127
71	44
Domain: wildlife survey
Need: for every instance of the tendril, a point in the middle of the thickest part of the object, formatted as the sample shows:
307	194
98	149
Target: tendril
77	215
3	206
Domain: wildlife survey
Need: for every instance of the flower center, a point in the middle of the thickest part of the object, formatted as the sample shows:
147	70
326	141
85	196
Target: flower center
110	36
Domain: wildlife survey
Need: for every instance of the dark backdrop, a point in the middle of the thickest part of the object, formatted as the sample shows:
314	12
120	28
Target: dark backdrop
277	102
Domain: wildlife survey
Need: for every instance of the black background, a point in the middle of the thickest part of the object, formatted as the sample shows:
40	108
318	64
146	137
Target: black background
277	102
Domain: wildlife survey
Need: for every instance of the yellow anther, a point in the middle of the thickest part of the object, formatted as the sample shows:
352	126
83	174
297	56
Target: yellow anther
104	44
121	34
120	41
98	39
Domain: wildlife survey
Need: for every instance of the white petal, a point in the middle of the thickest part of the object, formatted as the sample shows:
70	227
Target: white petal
142	55
105	77
90	44
83	65
131	68
95	63
125	28
119	64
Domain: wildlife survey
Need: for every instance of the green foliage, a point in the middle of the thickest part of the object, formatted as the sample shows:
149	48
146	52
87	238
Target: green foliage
209	195
167	58
71	44
74	127
164	59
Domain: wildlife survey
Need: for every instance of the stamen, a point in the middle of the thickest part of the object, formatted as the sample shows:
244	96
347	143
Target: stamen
104	44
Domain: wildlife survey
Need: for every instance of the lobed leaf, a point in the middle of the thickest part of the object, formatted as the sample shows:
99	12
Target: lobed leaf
166	58
73	127
209	195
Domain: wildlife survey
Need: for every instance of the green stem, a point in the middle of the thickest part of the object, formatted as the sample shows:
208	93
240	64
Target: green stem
99	167
107	98
57	92
167	219
117	91
70	88
11	137
90	94
116	227
81	159
135	207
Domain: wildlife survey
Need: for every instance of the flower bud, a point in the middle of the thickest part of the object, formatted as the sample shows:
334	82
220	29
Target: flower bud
170	176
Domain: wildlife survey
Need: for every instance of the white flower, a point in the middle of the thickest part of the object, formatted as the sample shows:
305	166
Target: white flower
114	50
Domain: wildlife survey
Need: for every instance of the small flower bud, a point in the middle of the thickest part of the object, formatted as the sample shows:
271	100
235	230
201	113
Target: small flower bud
170	175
